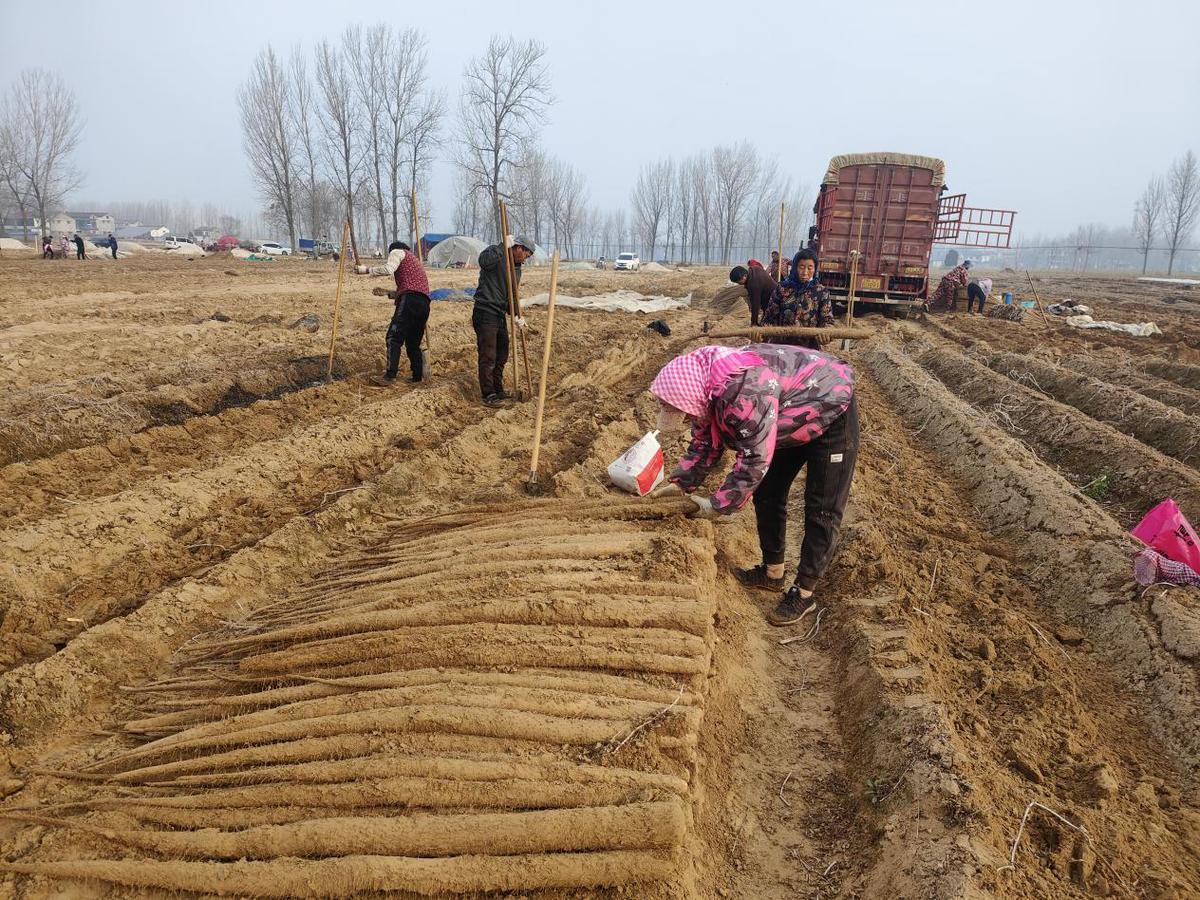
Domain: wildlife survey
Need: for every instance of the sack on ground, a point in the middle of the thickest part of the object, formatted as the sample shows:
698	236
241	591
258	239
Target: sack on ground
1166	530
639	469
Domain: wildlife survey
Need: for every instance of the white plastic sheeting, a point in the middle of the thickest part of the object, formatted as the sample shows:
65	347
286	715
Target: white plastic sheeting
615	301
1145	329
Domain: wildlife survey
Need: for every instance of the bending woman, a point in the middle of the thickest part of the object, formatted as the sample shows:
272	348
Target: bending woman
779	408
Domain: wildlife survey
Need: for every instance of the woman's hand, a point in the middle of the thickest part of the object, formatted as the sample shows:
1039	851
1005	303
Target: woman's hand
704	509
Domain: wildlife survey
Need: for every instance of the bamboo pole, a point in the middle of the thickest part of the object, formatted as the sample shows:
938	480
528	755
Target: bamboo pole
1036	297
425	350
508	278
416	227
337	299
779	272
855	256
793	331
514	302
541	401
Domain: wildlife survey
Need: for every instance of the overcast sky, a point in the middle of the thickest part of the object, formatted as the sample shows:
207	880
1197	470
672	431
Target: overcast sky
1060	110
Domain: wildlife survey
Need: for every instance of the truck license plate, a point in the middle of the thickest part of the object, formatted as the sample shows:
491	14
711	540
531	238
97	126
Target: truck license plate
871	283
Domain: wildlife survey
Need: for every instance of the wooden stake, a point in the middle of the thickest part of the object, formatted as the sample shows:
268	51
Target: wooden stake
420	258
509	276
541	402
1036	297
416	227
779	272
756	334
514	299
337	298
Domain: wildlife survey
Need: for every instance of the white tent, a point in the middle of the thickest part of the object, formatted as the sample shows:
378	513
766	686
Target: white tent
540	256
458	250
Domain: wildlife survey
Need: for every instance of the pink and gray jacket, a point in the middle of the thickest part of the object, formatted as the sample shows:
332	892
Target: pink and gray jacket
750	400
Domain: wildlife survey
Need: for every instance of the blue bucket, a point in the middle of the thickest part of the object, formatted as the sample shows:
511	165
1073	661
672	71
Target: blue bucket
1008	299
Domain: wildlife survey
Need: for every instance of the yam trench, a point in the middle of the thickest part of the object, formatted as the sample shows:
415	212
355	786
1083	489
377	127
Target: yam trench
385	695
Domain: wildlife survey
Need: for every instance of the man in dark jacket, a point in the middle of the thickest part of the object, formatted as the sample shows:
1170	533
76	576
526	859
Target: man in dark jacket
112	244
79	254
759	286
491	310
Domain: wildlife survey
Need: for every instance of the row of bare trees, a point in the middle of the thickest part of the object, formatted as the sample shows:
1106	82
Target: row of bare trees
349	133
40	127
1168	208
716	206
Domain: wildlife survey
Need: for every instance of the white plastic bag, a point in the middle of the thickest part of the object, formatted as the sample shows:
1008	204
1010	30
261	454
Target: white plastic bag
639	469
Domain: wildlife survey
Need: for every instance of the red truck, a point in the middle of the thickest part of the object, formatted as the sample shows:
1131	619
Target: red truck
892	208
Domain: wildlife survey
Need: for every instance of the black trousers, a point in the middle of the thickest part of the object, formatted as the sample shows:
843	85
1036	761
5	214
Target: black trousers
79	252
830	460
975	293
406	330
114	252
491	339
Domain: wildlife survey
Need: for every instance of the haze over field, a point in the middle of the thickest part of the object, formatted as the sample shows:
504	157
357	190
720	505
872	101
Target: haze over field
1059	110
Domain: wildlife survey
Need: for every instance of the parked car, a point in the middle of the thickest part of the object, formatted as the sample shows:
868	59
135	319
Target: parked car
630	262
171	243
271	248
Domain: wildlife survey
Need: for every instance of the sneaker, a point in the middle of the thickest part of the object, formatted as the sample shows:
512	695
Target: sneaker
791	608
757	577
493	400
383	380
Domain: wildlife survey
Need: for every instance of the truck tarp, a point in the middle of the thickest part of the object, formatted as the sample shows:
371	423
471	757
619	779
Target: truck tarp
879	159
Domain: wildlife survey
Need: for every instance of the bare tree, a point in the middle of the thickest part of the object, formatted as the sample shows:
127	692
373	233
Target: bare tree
704	218
370	55
269	136
340	121
530	189
1182	204
41	120
735	170
304	126
1147	217
652	201
424	140
684	199
506	94
14	187
469	206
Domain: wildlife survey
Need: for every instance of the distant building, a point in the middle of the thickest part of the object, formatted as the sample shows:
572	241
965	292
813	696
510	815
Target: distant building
93	222
63	223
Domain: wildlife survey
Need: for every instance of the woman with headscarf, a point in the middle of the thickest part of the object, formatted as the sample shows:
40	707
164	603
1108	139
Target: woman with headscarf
779	408
801	300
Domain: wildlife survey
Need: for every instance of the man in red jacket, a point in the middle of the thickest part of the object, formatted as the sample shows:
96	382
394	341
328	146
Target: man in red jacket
412	308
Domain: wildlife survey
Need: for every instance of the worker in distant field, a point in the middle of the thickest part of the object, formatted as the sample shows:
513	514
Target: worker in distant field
112	244
801	300
490	312
47	247
773	268
63	247
779	409
411	314
977	292
945	295
759	287
79	254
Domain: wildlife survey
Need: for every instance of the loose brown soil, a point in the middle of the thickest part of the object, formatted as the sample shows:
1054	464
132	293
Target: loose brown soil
268	636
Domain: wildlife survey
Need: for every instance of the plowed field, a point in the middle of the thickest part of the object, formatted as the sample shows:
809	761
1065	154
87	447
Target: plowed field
269	636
